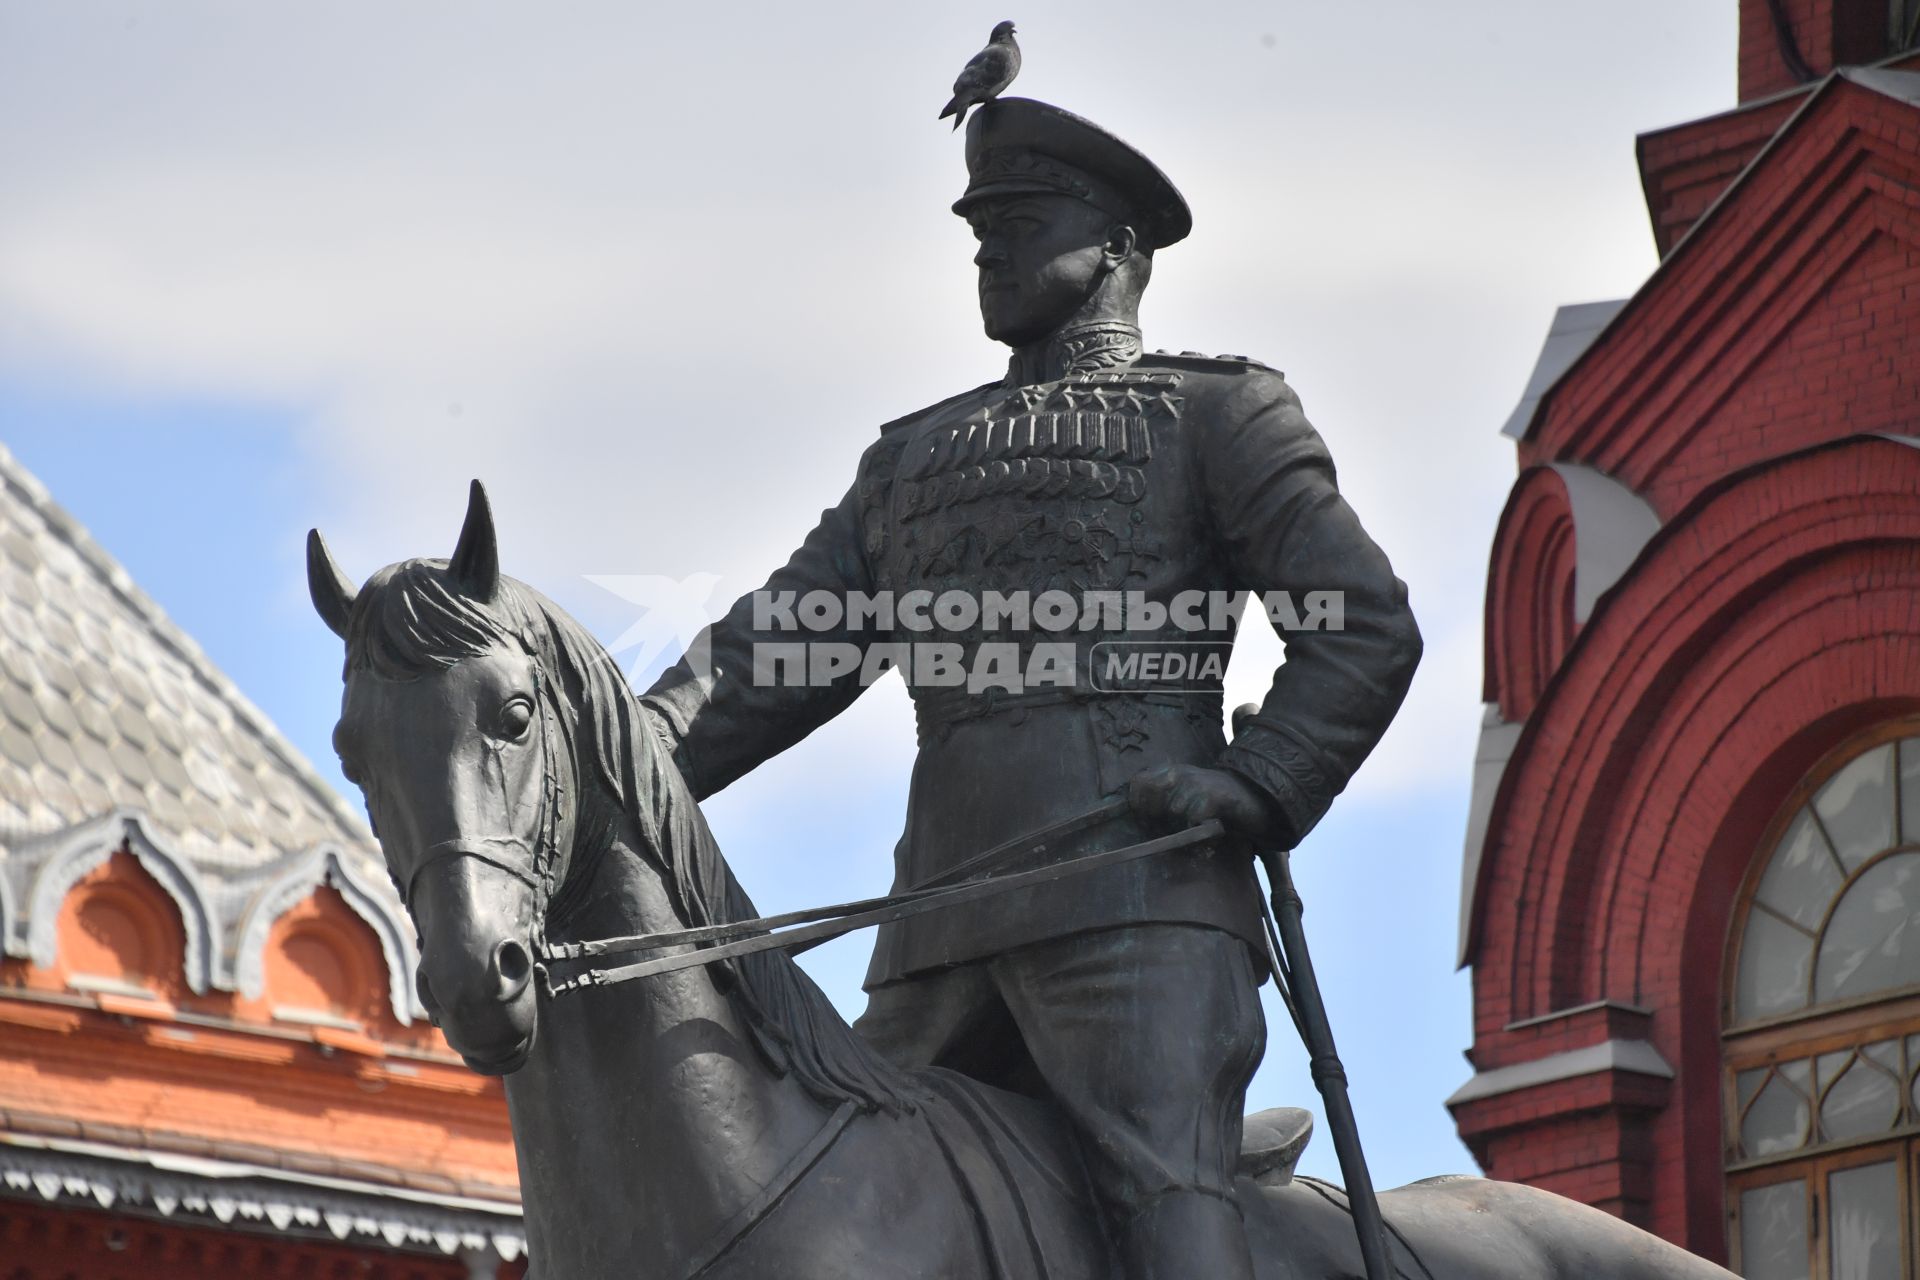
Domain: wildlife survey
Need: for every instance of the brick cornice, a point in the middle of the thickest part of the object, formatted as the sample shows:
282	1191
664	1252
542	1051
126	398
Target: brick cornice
1842	172
1529	606
1609	1057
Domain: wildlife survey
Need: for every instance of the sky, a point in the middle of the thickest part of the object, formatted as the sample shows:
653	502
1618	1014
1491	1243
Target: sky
656	274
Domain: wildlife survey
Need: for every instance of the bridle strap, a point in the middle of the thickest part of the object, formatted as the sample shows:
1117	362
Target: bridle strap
543	854
447	849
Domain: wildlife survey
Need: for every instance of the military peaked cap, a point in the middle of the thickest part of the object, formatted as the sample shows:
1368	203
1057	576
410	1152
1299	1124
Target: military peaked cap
1016	146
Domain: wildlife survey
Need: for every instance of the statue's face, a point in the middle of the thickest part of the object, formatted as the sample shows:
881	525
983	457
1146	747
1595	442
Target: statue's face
1039	259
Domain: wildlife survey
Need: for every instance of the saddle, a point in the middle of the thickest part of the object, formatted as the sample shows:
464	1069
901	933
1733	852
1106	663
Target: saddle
1018	1168
1271	1142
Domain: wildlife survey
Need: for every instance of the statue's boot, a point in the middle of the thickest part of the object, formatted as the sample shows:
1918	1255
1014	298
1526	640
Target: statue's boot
1182	1235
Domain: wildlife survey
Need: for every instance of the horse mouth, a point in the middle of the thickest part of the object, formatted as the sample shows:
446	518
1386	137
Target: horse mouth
501	1064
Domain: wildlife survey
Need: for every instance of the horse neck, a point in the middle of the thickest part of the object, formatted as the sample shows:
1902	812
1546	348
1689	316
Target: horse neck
645	1108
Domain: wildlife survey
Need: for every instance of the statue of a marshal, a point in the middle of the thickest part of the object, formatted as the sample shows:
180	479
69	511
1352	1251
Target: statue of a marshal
1057	561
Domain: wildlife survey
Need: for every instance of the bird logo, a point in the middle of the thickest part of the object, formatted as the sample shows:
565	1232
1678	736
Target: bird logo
986	75
672	613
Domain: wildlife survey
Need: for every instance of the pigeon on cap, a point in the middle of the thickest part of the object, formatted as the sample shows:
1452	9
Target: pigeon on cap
1016	146
986	75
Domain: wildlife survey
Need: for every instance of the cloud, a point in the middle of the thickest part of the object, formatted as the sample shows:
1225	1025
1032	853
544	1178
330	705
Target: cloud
659	287
657	273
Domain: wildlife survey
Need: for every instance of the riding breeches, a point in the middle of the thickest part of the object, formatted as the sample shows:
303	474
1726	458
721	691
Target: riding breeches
1145	1036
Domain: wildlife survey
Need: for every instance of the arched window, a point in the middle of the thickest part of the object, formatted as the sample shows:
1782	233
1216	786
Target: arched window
323	965
1823	1027
1903	25
119	935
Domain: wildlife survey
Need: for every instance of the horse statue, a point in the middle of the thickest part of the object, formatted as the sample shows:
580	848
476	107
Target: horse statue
724	1121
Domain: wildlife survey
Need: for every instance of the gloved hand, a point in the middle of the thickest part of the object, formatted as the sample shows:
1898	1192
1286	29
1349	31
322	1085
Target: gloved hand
1189	794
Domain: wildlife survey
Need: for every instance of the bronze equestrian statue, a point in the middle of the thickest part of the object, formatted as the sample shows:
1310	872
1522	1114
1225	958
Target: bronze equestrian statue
722	1121
1047	1084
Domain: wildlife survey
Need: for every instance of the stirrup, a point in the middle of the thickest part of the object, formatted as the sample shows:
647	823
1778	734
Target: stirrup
1271	1141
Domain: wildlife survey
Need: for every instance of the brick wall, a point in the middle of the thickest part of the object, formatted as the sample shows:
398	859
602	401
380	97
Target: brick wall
1744	392
1774	616
1824	34
1685	169
1787	320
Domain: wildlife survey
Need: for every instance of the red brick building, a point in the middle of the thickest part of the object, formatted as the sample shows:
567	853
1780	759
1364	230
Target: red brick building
1692	876
212	1059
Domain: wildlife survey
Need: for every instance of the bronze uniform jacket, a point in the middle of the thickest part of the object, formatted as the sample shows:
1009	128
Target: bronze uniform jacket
1165	475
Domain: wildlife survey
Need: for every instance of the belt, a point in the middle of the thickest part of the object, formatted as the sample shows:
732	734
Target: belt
937	708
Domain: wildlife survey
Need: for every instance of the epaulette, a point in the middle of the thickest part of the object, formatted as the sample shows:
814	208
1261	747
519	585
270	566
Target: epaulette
1199	363
919	414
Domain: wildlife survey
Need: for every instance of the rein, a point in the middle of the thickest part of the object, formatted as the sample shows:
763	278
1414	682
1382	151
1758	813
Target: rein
971	881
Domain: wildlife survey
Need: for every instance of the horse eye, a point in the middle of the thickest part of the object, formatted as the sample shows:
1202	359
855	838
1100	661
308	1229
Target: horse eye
514	719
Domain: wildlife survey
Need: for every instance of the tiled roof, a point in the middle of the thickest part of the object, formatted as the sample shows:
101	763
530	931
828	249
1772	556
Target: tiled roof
105	704
117	733
115	729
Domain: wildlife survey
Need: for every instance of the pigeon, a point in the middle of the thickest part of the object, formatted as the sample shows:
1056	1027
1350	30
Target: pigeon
986	75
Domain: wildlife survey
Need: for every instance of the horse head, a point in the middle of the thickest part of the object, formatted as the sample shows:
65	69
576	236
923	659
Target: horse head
453	730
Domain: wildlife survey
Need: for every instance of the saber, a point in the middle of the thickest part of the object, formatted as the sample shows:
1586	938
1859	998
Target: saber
1299	990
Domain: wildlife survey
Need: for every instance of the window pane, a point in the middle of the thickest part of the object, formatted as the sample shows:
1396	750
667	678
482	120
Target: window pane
1910	789
1777	1121
1857	807
1859	1101
1773	1233
1902	18
1803	877
1872	942
1773	968
1745	1085
1886	1055
1864	1222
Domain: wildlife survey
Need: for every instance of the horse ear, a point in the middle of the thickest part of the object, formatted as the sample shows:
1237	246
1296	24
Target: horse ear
476	558
332	590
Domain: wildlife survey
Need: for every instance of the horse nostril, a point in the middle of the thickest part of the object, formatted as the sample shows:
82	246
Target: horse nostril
514	965
424	991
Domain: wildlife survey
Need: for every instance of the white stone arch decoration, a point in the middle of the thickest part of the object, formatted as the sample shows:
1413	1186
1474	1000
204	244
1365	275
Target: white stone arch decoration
1611	524
75	852
368	898
11	943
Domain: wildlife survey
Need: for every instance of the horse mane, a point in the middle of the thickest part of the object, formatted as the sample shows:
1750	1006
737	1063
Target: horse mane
412	620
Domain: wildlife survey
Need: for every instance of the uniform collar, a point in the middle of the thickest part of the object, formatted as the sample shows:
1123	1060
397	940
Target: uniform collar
1079	349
